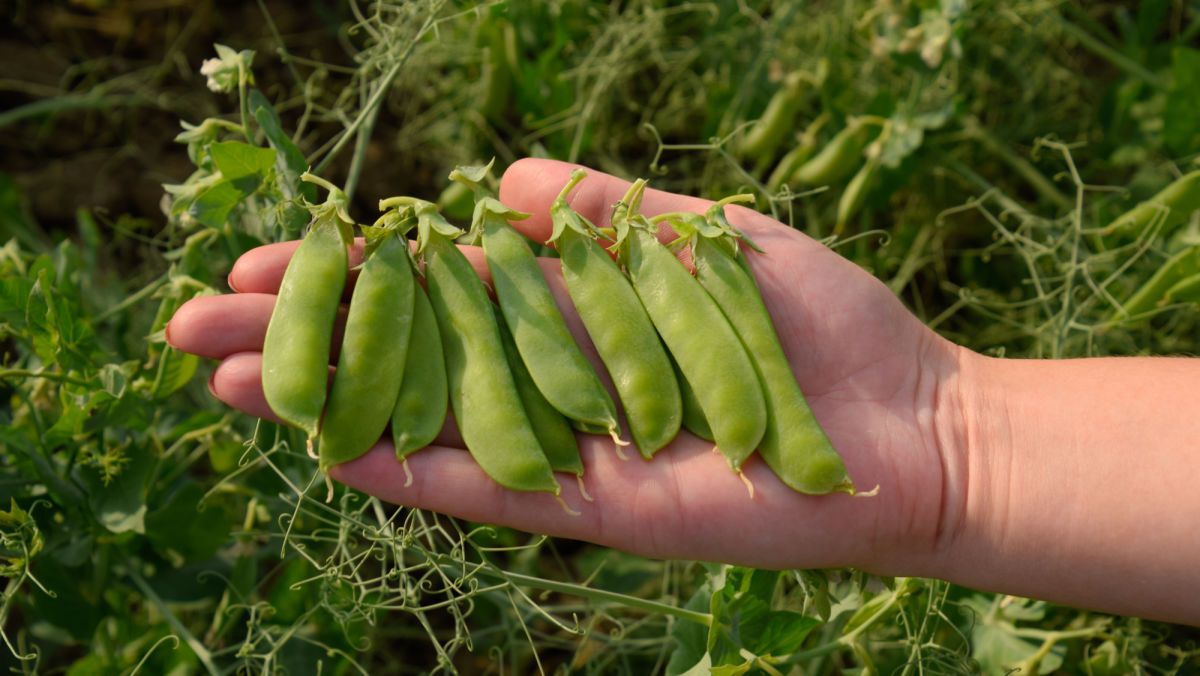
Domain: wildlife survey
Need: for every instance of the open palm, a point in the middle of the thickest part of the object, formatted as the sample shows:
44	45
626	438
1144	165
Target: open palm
877	381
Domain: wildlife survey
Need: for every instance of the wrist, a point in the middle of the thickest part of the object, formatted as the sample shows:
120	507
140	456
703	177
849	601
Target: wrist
974	437
927	516
1056	482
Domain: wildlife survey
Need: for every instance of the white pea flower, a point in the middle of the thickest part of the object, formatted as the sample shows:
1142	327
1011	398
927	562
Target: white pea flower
223	71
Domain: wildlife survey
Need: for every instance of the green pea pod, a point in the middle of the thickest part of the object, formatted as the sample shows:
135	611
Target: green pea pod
805	147
295	371
619	327
374	348
787	166
1173	204
837	158
793	444
1179	267
695	331
1186	290
551	427
766	134
421	405
856	191
560	369
483	395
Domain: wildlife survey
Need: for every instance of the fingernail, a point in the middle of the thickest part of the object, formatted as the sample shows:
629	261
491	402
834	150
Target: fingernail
167	334
211	387
229	282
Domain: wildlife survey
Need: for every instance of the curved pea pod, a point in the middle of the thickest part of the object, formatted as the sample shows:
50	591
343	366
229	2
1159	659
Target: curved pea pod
617	323
856	191
806	146
295	371
483	394
793	444
547	348
374	348
1173	204
837	159
791	161
1186	290
551	427
765	135
421	405
695	331
1149	296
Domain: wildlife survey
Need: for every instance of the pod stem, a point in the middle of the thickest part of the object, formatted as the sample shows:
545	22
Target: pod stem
746	480
577	175
615	433
408	476
583	489
566	508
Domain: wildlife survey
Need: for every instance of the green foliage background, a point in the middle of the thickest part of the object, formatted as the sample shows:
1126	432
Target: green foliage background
150	530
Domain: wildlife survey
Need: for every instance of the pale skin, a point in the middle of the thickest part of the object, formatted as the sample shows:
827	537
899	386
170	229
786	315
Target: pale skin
1070	481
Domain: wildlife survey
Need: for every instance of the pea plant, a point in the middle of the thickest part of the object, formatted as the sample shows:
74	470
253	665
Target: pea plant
145	528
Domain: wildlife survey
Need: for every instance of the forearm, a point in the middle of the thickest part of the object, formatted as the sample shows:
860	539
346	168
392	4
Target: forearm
1075	481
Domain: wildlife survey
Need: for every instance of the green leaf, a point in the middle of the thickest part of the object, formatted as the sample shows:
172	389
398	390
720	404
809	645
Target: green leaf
183	525
702	667
14	295
213	204
997	649
691	650
246	166
731	669
1181	124
59	332
783	633
65	428
995	644
74	605
115	377
174	371
119	504
289	161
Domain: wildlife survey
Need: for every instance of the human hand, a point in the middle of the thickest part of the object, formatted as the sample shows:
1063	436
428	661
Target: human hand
878	381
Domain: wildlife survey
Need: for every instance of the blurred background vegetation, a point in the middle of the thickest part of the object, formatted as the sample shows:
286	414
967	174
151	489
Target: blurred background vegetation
150	530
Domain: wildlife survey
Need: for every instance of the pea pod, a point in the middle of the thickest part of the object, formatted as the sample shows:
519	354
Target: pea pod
1173	204
805	147
494	76
793	443
549	351
619	327
856	191
421	405
374	347
1179	267
483	394
766	134
837	159
1186	290
694	330
787	166
296	348
551	427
